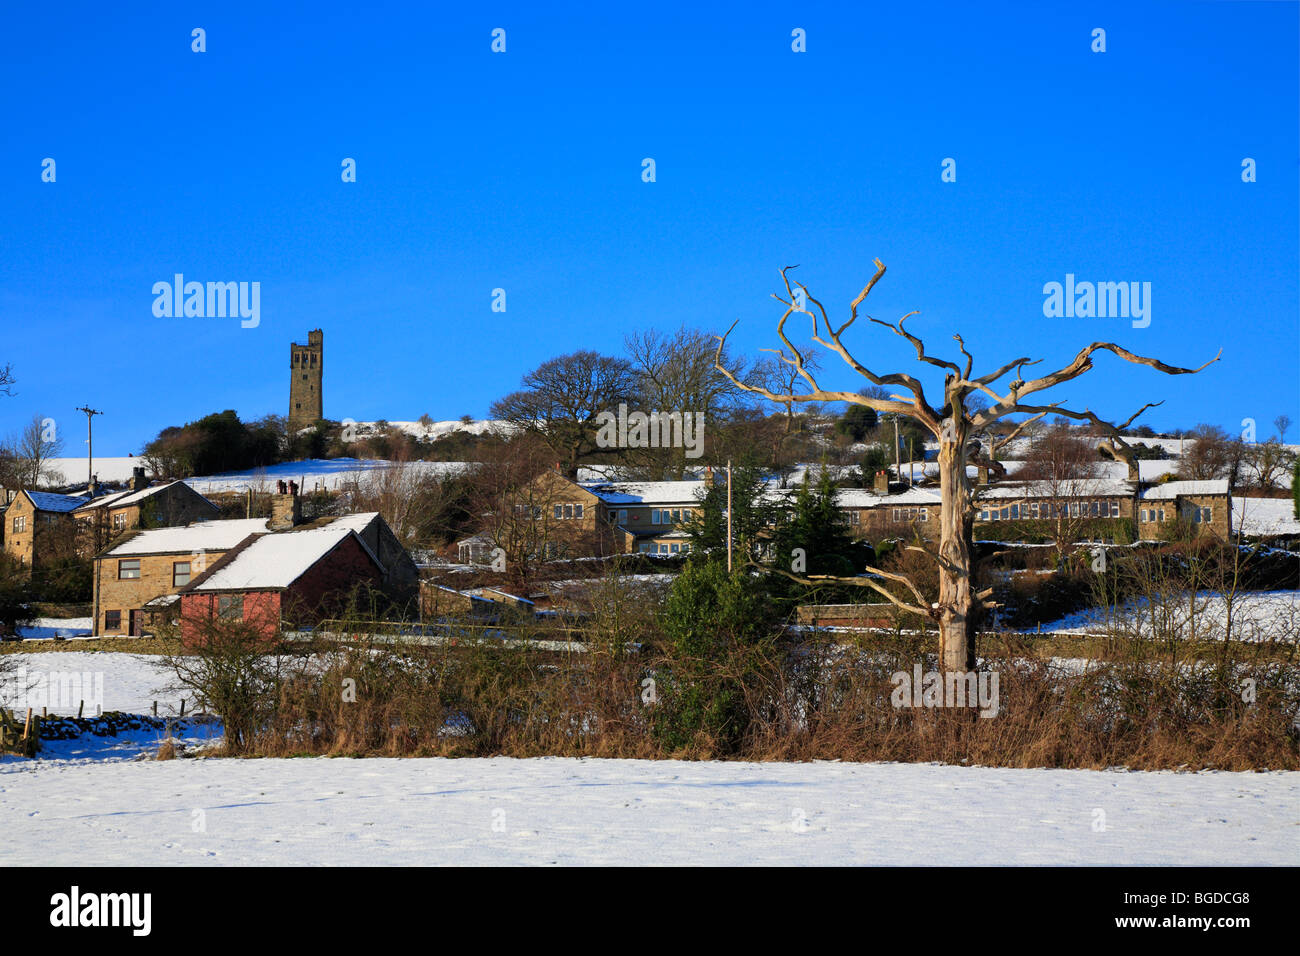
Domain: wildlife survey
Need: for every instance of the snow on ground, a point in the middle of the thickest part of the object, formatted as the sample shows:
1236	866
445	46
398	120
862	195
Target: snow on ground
131	683
1257	615
556	811
111	469
93	801
1264	516
317	474
50	627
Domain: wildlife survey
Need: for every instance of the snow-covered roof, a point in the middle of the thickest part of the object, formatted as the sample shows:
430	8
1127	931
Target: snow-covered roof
866	498
1074	488
277	560
1172	489
648	492
358	522
45	501
123	499
198	536
1264	516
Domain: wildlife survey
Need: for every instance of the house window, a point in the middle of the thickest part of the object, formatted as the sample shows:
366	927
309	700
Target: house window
20	523
180	573
855	517
231	607
1094	512
119	521
112	620
577	511
677	515
568	511
654	516
984	515
1033	511
923	514
622	516
1015	512
1114	509
128	569
648	548
675	549
559	512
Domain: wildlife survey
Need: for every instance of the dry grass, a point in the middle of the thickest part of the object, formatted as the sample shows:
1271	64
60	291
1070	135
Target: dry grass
812	702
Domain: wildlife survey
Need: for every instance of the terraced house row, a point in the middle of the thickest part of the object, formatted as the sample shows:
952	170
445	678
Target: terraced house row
596	518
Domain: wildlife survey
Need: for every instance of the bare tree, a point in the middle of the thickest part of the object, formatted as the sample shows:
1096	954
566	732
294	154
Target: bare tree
1211	453
7	379
29	452
679	373
1282	423
1267	464
958	608
1062	466
561	399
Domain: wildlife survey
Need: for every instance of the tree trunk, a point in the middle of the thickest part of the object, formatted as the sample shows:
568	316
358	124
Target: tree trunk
957	614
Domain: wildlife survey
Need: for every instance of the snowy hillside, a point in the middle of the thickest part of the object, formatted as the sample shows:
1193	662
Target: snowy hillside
315	474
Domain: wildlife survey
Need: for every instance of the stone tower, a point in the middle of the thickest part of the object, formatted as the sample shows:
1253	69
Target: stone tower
307	367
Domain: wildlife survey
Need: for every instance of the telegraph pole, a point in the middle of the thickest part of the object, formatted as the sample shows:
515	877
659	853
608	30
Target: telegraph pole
728	516
898	452
90	457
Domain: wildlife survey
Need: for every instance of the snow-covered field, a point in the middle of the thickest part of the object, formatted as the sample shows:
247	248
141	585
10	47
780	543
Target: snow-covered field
318	474
100	801
131	682
1257	615
338	812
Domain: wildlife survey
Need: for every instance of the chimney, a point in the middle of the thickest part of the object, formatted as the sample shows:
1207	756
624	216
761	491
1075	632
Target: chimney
881	485
286	509
138	482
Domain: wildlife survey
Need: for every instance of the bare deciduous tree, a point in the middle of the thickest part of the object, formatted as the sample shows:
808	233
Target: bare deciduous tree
561	399
27	455
1282	423
952	423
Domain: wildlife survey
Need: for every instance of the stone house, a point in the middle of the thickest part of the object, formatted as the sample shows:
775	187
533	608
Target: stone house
136	580
39	528
1201	507
142	506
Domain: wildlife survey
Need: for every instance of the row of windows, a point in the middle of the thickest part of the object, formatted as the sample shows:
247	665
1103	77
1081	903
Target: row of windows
651	548
911	514
1077	509
568	511
660	516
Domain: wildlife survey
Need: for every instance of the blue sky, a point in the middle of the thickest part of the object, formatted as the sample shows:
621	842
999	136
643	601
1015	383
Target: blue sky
522	171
